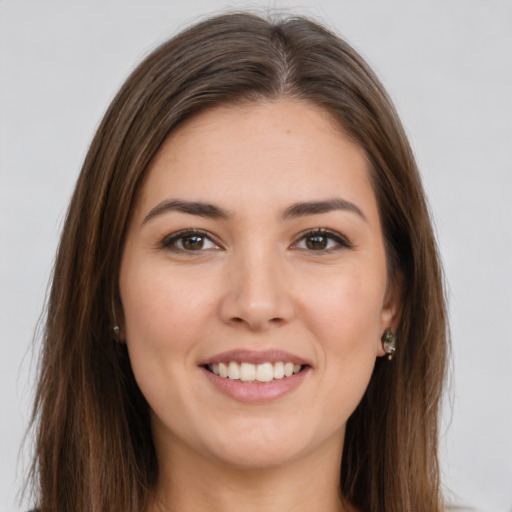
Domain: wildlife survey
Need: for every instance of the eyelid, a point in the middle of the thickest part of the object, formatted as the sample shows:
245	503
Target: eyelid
341	240
169	240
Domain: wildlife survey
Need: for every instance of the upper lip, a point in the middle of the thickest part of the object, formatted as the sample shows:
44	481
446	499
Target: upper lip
255	357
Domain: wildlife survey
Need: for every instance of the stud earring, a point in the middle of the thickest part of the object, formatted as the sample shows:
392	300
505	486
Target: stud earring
116	330
389	343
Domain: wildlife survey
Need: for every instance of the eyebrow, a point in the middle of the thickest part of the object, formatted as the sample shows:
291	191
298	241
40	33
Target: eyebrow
191	207
211	211
318	207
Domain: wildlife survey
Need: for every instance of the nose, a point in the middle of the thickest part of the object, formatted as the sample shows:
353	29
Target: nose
257	292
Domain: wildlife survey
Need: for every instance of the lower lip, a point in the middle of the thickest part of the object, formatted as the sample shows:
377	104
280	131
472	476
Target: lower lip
256	392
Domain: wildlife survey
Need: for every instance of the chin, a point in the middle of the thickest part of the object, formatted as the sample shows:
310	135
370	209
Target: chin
256	456
260	445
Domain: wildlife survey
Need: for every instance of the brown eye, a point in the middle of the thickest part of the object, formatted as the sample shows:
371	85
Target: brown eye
193	242
317	242
322	240
189	241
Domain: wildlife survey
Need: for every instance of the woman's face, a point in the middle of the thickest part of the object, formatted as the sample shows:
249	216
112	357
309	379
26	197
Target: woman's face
254	285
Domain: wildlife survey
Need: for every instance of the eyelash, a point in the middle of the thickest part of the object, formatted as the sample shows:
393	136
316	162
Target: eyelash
341	241
171	242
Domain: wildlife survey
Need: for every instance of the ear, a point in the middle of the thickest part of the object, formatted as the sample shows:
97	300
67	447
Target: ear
392	308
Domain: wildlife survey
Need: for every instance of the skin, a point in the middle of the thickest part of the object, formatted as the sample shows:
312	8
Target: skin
257	283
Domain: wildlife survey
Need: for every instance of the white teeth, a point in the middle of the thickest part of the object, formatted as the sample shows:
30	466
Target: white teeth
247	372
223	370
264	372
233	370
279	370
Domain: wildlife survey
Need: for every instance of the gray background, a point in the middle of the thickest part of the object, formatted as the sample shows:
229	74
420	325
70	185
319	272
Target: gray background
447	65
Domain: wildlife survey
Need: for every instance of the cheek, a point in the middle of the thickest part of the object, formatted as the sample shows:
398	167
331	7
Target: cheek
346	311
162	313
344	315
347	321
164	319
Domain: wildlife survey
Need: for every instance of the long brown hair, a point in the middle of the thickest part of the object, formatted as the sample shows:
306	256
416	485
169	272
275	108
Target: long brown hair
94	450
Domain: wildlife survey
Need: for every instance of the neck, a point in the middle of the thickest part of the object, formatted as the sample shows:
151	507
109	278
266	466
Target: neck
191	483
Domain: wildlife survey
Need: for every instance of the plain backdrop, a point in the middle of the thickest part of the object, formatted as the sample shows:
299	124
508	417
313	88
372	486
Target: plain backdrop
448	66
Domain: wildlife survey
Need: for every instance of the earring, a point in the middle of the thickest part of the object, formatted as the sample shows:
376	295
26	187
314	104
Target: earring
389	343
116	330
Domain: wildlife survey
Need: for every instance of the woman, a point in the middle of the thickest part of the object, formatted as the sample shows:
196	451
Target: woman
247	309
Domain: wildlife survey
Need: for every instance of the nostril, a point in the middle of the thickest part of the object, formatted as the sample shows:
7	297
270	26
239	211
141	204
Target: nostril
276	321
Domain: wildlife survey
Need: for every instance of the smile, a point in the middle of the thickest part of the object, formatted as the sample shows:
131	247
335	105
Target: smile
259	376
249	372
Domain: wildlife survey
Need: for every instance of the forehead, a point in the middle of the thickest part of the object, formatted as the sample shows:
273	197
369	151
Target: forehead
265	153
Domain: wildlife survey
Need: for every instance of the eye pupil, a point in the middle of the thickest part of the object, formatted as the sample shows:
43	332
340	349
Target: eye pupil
316	242
193	242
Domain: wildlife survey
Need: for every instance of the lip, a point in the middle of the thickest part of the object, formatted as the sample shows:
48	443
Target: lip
255	357
256	392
